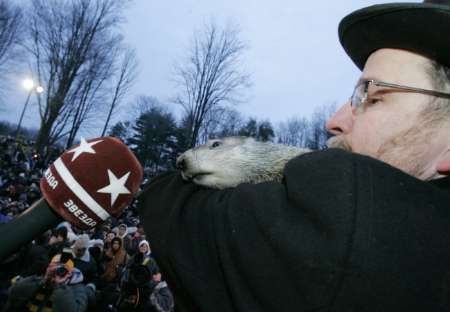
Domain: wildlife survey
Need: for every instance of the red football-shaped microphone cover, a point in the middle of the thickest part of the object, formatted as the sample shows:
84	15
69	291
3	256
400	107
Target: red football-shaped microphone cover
92	181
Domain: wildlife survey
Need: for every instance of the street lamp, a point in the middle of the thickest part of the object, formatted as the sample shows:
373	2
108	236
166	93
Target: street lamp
28	84
39	89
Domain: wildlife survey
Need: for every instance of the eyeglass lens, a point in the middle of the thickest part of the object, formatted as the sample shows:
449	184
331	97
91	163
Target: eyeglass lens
359	94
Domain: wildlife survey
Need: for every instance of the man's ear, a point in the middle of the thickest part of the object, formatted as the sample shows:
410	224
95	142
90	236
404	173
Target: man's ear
443	166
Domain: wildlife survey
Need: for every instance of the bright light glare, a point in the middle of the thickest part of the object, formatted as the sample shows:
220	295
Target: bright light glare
39	89
28	84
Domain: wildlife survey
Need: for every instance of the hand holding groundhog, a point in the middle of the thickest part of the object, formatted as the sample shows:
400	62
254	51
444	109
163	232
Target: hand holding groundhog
227	162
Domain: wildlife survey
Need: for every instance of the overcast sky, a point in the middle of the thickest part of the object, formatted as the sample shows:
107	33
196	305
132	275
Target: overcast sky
294	56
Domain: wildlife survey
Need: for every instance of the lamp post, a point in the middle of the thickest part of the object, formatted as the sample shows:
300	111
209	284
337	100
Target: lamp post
28	84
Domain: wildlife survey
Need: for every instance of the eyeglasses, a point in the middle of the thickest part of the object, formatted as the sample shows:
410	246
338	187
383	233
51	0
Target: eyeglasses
360	93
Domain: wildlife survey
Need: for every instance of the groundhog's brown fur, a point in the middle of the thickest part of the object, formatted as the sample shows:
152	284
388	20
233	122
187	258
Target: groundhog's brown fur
227	162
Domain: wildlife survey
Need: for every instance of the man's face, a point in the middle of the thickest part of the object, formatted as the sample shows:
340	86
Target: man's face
390	129
79	252
122	230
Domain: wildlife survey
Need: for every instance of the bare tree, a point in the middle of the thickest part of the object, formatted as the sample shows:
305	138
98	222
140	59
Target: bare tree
11	32
125	77
70	42
318	135
88	94
303	132
228	124
210	77
293	132
143	104
231	122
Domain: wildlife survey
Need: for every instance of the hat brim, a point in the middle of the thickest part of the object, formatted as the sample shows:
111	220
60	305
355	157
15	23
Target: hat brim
419	27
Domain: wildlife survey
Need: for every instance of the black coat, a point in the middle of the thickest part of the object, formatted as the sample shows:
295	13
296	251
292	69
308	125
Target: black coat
343	232
88	268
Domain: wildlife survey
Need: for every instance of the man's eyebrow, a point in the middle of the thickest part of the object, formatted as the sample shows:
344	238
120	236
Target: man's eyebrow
380	91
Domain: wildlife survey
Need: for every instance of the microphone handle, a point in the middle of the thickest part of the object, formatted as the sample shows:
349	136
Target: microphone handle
27	226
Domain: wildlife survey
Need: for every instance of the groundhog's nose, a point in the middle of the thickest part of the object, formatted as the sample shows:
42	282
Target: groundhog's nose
181	163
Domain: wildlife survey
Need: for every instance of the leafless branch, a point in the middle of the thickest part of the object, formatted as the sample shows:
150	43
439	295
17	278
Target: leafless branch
71	44
210	77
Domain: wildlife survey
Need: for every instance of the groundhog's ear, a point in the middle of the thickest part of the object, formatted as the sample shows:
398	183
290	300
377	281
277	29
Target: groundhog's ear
443	166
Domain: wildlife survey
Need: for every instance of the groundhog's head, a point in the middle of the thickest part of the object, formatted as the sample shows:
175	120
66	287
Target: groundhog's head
219	163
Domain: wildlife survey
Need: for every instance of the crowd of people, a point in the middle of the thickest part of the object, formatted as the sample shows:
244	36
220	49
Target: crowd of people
109	268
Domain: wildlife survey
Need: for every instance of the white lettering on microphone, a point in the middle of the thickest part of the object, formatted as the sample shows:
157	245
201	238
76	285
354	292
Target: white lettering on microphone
77	212
51	180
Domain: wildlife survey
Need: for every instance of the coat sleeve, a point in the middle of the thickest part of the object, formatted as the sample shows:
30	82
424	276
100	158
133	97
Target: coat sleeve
72	298
234	246
21	292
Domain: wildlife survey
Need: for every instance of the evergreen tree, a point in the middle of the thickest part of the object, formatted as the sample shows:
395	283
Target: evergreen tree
250	129
155	140
262	131
265	132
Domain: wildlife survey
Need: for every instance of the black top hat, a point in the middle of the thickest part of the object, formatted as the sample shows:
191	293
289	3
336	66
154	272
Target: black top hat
419	27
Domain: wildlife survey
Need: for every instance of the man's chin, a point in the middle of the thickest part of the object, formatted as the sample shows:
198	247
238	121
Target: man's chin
339	142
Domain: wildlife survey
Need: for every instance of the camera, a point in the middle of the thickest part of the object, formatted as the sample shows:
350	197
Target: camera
61	270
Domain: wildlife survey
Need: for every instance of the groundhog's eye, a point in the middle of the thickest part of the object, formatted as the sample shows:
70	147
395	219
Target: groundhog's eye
215	144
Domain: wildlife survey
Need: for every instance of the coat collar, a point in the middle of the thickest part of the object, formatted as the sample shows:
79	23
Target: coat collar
442	183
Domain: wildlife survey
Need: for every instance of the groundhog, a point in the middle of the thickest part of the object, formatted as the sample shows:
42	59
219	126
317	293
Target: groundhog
227	162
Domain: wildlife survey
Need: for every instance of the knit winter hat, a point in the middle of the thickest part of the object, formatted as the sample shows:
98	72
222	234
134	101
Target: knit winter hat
81	242
68	263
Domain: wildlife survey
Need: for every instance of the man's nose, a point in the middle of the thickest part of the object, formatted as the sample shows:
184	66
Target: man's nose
342	121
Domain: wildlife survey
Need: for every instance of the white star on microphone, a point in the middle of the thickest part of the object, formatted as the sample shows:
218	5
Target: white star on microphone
84	147
116	186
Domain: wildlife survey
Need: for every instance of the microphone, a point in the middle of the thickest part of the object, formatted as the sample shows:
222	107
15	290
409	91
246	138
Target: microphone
84	186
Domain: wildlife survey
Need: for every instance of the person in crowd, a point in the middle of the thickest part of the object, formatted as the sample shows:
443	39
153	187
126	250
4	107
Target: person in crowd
108	239
362	226
35	256
31	259
96	251
60	290
72	233
18	179
144	248
58	241
82	259
126	239
116	259
161	298
98	232
20	172
138	236
141	285
147	260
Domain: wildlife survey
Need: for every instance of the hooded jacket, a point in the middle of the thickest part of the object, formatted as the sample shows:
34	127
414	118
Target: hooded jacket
116	261
145	242
342	232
